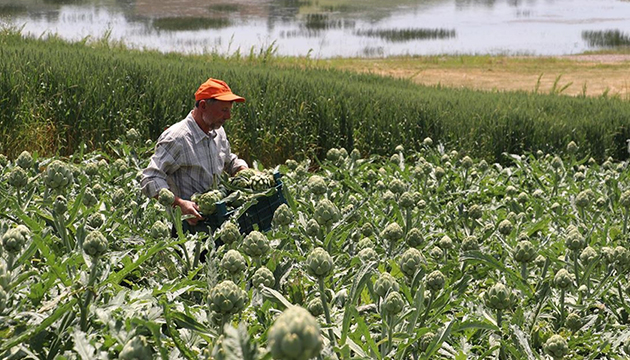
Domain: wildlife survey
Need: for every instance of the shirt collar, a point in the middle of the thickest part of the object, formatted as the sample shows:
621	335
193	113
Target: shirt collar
198	134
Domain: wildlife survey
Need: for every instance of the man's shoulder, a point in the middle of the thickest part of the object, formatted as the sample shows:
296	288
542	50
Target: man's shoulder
175	131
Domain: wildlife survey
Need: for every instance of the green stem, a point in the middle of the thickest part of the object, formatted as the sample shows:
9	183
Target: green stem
576	268
322	295
625	222
89	293
384	333
197	255
562	315
426	311
499	318
524	271
390	331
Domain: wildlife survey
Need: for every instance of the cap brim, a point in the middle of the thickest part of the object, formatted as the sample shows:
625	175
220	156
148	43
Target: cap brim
229	97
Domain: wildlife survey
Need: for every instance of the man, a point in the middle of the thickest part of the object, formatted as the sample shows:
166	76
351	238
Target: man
189	153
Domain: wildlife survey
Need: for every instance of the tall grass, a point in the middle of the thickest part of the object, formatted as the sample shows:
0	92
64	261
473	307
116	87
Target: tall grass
56	95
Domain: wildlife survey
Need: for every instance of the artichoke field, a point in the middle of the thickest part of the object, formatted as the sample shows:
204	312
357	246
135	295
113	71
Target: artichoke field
425	255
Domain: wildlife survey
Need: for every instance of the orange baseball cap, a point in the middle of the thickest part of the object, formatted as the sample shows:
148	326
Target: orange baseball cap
216	89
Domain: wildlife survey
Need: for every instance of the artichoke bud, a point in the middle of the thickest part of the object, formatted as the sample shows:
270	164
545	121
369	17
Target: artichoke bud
407	200
295	335
584	198
24	160
425	341
14	239
58	175
624	200
229	233
317	185
505	227
367	255
445	243
91	169
470	243
563	280
365	243
384	284
435	281
427	141
132	135
475	212
326	213
498	297
18	178
467	162
575	241
233	262
574	322
315	307
411	261
207	201
159	230
333	155
524	252
556	163
414	237
397	186
436	252
319	263
226	298
312	228
263	276
572	147
95	244
89	199
587	255
393	303
392	232
60	206
621	257
166	197
95	220
137	348
256	244
367	229
556	346
119	195
283	215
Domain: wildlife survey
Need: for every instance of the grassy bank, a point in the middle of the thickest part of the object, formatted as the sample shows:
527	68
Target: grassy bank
55	96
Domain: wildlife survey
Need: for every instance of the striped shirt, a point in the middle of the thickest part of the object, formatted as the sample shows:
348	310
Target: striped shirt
186	159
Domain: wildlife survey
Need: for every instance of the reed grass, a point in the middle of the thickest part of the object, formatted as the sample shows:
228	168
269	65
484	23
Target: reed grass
402	35
55	96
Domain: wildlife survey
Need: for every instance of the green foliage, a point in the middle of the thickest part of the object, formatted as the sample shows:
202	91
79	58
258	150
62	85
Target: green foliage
56	96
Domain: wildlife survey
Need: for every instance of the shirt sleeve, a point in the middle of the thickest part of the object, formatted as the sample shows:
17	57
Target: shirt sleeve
163	163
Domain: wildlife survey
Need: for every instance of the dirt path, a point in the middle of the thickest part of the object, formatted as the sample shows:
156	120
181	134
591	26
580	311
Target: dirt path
592	75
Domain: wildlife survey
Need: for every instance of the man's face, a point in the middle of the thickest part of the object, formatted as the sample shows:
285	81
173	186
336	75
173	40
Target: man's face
215	113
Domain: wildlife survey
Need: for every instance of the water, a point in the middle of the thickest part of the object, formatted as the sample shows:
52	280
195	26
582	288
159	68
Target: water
328	28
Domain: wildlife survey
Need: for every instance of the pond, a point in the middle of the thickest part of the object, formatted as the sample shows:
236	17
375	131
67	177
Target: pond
328	28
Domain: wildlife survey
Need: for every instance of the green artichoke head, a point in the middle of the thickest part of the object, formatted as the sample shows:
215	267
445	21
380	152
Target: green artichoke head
295	335
227	298
319	263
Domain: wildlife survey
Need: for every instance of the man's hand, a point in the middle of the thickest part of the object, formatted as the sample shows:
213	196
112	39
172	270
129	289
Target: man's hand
189	208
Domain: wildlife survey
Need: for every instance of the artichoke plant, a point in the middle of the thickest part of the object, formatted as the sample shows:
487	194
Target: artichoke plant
256	244
159	230
14	239
326	213
283	215
18	178
95	244
227	298
166	197
24	160
411	261
393	303
233	262
384	284
319	263
137	348
263	276
317	185
295	335
207	201
557	347
435	281
58	175
229	233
